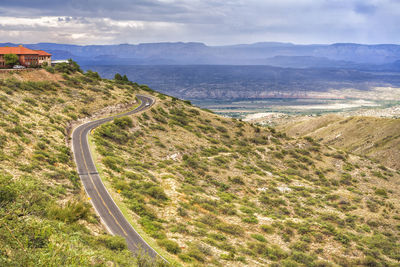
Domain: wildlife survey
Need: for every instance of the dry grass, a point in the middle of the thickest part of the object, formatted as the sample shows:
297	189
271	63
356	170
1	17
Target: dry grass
51	217
378	138
217	172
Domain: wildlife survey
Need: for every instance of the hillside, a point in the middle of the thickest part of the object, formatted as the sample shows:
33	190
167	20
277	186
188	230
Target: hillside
203	190
215	191
378	138
45	217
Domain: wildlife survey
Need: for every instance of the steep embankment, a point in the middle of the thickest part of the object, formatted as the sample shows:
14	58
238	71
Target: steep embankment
378	138
215	191
45	217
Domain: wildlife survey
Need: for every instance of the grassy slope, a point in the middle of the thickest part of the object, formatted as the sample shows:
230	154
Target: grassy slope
210	190
216	192
45	218
378	138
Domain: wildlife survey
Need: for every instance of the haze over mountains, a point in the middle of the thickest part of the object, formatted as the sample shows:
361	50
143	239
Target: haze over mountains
221	82
196	71
341	55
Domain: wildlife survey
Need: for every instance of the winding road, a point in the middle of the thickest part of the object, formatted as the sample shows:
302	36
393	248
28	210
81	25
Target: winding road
102	201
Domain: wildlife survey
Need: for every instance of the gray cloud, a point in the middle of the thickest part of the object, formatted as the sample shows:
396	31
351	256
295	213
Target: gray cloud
210	21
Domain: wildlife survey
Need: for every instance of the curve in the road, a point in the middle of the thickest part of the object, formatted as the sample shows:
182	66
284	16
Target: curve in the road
102	201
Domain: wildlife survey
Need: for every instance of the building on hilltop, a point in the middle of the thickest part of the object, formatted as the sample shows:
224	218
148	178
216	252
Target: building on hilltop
44	57
27	57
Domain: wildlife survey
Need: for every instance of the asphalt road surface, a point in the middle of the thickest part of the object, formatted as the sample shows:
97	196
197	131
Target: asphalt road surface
105	206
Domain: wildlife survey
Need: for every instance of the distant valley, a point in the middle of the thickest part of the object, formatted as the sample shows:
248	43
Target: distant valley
334	75
249	82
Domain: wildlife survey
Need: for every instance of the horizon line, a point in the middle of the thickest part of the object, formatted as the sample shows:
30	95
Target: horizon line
205	44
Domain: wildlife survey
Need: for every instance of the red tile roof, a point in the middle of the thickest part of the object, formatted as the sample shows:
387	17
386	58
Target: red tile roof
42	53
20	50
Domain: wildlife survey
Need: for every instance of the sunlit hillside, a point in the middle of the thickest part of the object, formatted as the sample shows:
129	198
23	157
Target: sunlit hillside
203	190
217	191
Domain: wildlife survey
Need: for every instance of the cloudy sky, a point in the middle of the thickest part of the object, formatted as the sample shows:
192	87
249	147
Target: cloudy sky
214	22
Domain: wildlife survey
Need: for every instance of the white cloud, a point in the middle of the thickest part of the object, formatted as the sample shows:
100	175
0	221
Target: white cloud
210	21
82	30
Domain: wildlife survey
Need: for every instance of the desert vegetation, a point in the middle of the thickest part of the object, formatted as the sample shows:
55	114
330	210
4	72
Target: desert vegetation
204	190
215	191
45	217
377	138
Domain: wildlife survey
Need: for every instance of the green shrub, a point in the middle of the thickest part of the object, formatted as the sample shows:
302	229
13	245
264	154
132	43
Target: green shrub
182	212
268	229
259	237
49	69
186	257
247	210
3	141
153	228
112	162
217	236
170	246
381	192
289	263
60	174
230	228
237	180
348	167
114	242
228	257
123	122
300	246
8	192
68	68
154	191
136	205
221	129
346	179
275	253
71	212
379	175
387	245
92	75
303	258
30	101
196	251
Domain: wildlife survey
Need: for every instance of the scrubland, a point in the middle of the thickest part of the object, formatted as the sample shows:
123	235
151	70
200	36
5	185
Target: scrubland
204	189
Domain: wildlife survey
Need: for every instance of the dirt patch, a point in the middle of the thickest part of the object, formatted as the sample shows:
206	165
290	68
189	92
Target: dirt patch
33	75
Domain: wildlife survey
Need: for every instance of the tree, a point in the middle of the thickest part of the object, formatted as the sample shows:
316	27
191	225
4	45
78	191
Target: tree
68	68
74	66
118	77
92	74
121	79
11	59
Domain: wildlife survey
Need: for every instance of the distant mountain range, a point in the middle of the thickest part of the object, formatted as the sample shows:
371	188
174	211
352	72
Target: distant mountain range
222	82
248	71
385	57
